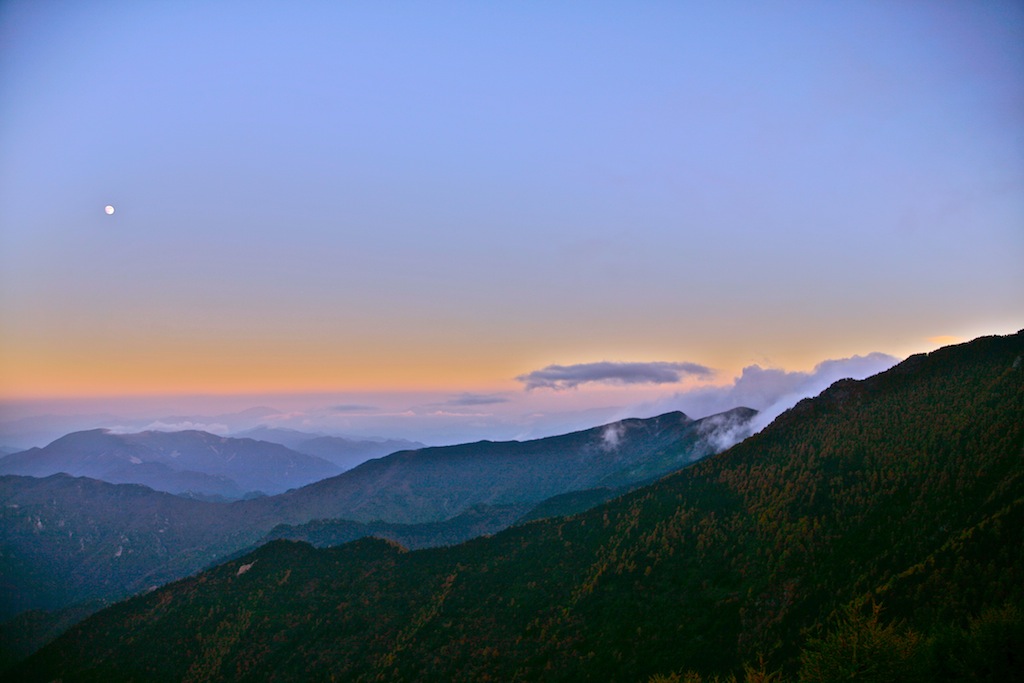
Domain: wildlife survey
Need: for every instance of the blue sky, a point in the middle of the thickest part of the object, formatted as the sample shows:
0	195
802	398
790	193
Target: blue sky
385	197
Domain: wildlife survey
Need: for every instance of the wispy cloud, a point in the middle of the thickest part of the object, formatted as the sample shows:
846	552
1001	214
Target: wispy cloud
772	391
471	399
352	408
161	426
612	435
726	429
570	376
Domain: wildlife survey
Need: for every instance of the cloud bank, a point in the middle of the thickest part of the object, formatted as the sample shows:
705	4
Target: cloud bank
772	391
560	377
439	418
162	426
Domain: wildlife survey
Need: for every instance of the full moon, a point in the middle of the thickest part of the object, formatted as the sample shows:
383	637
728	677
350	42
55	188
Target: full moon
109	209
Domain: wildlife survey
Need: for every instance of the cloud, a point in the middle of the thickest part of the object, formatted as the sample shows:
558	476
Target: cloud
807	385
352	408
612	435
772	391
470	399
161	426
726	429
559	377
465	405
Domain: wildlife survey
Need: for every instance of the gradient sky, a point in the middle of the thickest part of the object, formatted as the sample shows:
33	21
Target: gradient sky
354	197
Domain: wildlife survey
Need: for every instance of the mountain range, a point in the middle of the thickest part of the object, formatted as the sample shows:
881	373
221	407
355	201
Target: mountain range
67	541
875	532
185	462
434	484
345	452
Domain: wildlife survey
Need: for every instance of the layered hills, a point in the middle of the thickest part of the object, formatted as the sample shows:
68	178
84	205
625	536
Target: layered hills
433	484
67	540
876	531
344	452
186	462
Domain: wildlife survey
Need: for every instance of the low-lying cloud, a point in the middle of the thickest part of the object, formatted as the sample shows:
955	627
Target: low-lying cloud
162	426
453	417
612	435
560	377
772	391
726	429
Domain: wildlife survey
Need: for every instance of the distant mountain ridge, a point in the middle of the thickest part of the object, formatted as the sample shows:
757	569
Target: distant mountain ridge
345	452
176	462
65	540
434	484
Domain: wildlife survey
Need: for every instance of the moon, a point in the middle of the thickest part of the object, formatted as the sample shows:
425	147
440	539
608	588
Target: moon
109	209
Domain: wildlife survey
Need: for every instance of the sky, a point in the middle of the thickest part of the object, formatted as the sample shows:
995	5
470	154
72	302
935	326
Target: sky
460	219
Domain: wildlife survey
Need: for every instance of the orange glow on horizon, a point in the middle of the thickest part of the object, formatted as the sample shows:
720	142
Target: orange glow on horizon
40	376
944	340
105	366
150	385
43	378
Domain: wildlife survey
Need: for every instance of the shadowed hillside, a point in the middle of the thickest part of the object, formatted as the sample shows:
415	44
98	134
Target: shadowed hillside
434	484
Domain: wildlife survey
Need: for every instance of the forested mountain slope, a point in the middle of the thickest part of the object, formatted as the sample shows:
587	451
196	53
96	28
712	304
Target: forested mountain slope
906	489
67	540
434	484
70	539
